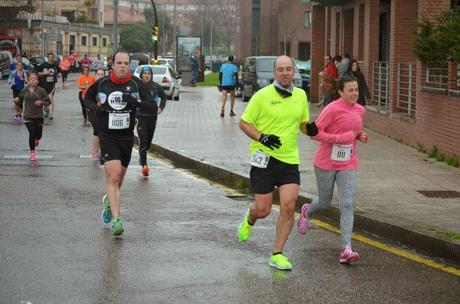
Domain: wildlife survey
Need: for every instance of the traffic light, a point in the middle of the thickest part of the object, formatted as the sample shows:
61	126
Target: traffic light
155	33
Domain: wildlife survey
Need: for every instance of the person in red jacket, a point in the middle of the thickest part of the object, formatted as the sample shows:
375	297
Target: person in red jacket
329	80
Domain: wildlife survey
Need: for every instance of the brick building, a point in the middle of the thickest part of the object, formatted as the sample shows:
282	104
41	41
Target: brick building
412	102
274	27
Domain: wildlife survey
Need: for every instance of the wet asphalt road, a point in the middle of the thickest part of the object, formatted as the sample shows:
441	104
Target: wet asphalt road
180	241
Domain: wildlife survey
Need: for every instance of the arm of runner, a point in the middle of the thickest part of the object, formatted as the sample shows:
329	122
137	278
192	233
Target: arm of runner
146	104
250	130
90	98
163	97
44	100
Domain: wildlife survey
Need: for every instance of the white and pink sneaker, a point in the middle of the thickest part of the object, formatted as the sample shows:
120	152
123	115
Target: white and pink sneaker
33	156
302	224
348	256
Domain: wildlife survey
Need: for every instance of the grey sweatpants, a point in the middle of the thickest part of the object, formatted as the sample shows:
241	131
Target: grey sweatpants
346	183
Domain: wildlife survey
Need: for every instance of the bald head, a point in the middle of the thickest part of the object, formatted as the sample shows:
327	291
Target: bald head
284	70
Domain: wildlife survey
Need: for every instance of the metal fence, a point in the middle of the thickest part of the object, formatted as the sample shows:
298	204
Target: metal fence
406	88
381	84
435	76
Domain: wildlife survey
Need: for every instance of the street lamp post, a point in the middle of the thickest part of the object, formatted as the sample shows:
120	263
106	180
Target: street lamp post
42	35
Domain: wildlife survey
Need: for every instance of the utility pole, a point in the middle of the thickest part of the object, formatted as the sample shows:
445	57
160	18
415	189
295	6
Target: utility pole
115	26
174	35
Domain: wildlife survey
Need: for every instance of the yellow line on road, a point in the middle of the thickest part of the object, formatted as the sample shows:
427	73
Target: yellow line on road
396	251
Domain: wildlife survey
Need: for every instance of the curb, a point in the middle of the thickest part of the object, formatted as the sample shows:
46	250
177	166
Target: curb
421	240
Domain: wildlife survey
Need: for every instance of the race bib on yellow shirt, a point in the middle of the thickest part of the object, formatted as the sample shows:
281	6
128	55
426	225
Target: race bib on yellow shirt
260	159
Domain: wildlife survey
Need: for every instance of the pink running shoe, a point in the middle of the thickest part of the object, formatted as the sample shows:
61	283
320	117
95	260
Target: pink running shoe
302	224
37	142
33	156
348	256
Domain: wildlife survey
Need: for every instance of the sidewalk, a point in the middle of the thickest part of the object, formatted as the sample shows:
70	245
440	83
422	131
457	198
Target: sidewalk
387	202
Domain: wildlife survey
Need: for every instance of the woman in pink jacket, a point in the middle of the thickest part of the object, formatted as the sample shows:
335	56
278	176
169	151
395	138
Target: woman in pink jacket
338	128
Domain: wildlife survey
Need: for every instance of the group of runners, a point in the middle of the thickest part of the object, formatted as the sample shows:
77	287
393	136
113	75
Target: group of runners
272	119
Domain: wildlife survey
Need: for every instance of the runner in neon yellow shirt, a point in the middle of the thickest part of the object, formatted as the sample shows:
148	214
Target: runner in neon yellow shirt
272	119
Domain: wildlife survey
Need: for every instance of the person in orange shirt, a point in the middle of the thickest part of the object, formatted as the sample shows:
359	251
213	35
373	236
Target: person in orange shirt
64	65
84	82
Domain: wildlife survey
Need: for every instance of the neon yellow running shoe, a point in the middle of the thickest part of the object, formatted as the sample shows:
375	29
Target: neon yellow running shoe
117	227
244	230
281	262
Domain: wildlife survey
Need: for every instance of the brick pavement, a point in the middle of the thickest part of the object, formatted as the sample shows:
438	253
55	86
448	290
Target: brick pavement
391	173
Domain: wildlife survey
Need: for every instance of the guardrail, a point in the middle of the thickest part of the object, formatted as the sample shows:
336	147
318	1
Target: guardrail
381	85
407	88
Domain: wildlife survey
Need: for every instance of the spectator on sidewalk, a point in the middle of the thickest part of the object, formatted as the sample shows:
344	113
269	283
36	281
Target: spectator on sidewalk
364	94
228	79
328	81
272	120
336	161
342	67
195	65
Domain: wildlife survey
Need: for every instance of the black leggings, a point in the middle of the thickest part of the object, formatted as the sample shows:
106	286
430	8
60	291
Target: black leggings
83	107
64	76
145	130
35	128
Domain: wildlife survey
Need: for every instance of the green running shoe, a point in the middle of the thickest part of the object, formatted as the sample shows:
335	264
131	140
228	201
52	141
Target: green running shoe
51	116
244	230
117	227
106	212
281	262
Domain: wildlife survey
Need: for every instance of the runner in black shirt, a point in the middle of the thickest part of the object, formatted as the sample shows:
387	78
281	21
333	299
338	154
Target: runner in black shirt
47	77
147	121
115	99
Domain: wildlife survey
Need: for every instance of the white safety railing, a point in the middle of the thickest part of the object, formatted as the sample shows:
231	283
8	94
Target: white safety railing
380	85
406	88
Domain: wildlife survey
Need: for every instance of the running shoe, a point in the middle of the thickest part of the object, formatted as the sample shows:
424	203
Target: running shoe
280	261
302	224
222	112
51	116
16	118
33	156
117	227
45	114
106	212
244	230
348	256
232	113
145	170
37	142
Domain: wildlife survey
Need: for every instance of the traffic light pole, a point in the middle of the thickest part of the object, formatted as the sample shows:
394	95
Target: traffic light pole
155	43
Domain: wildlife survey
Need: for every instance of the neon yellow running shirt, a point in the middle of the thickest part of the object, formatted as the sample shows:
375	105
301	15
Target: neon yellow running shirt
270	113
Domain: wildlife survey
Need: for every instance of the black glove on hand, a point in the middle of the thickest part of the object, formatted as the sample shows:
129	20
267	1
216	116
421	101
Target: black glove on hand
269	140
312	129
132	98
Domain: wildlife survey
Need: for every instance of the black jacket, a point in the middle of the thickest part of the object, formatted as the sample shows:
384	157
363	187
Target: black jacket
118	100
158	96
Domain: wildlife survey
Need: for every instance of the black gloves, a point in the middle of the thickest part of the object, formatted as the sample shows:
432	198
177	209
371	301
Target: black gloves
269	140
312	129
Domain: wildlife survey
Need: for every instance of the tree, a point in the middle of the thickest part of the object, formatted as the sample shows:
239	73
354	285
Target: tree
136	38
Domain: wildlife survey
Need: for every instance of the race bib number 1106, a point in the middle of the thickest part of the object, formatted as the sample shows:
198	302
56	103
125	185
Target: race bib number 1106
118	121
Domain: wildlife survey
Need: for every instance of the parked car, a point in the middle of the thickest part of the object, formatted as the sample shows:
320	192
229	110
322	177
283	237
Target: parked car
304	69
258	73
166	77
5	61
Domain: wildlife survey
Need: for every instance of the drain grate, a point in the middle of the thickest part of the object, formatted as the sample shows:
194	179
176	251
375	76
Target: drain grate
440	194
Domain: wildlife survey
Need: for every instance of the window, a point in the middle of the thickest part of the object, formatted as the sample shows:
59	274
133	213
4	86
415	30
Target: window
94	41
455	4
307	19
83	40
104	42
72	40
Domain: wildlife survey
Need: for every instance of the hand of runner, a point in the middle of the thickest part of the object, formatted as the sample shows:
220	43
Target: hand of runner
37	103
132	98
269	140
312	129
363	137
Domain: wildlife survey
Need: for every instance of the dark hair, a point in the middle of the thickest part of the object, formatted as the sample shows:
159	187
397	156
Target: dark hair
231	58
100	69
50	53
346	56
328	56
345	79
120	51
337	58
350	65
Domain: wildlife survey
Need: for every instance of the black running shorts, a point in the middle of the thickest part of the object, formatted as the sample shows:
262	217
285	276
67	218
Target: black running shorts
115	149
228	88
276	174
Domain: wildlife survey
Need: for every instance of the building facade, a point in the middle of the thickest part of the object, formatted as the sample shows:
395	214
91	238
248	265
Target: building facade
417	103
274	27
